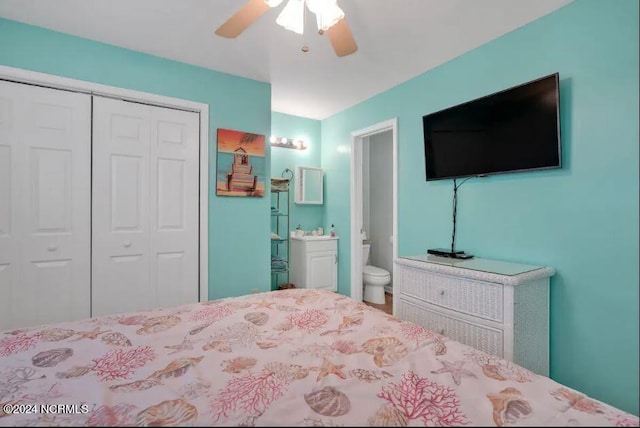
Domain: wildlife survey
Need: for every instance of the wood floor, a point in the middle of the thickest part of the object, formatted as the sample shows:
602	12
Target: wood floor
387	306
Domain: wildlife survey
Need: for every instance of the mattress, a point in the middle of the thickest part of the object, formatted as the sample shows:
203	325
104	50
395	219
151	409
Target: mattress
289	357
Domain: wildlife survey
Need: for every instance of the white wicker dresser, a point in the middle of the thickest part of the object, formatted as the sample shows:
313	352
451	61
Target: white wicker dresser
498	307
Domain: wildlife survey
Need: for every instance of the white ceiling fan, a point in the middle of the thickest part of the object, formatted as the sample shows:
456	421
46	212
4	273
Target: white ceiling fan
329	16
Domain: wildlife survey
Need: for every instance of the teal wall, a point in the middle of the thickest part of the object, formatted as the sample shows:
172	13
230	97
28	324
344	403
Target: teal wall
238	227
307	216
582	219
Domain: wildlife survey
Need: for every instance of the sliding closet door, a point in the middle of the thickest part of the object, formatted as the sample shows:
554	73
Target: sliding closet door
45	155
120	220
145	207
174	172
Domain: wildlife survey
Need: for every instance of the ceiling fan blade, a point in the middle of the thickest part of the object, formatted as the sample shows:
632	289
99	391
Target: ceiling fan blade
243	18
341	38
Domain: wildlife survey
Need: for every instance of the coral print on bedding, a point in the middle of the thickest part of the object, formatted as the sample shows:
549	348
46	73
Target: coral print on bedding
290	357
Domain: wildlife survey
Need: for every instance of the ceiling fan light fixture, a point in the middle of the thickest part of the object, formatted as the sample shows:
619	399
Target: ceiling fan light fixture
328	13
330	20
292	16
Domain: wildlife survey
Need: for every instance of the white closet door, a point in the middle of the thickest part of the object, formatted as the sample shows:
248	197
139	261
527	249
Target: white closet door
145	207
120	218
45	155
175	148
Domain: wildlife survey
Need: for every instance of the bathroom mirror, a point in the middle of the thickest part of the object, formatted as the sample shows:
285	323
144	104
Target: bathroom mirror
308	185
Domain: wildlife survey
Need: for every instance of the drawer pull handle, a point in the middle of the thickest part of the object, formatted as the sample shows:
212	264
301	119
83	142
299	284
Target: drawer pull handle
440	331
52	247
442	292
127	244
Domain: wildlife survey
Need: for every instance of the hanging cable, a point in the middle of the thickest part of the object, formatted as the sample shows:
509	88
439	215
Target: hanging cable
455	209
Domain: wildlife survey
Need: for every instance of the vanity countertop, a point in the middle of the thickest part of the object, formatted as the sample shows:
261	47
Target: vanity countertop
314	238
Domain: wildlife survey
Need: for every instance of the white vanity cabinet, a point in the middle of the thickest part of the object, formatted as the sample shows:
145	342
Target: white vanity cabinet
314	262
498	307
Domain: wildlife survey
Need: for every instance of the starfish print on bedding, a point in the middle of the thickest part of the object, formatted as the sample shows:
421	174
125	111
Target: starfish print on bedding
286	338
328	368
93	334
340	307
455	369
264	304
335	332
186	345
350	320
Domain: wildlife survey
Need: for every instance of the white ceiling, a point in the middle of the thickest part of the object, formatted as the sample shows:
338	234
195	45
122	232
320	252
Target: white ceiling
397	40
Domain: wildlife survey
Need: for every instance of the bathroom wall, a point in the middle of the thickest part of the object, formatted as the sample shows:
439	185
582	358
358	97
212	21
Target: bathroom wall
286	125
307	216
380	230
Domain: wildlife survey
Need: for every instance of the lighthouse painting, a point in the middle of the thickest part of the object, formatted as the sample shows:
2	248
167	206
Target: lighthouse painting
240	163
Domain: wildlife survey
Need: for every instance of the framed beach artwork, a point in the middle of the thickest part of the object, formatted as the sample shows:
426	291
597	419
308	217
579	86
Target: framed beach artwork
240	163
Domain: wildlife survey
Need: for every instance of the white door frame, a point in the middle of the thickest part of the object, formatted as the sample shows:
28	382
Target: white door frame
356	200
56	82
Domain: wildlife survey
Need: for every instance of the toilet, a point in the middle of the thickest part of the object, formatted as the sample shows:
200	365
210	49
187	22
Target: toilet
373	279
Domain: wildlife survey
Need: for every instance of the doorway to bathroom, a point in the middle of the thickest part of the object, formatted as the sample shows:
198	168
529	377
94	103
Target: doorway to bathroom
374	225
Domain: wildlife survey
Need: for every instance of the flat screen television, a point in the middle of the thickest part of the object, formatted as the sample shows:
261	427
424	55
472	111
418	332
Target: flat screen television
517	129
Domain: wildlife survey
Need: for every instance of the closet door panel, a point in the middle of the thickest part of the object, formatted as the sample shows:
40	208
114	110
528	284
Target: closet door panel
120	207
145	195
10	248
174	200
45	226
57	221
6	286
8	195
5	190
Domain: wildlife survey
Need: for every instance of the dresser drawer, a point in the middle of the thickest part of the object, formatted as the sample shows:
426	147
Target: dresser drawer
487	339
482	299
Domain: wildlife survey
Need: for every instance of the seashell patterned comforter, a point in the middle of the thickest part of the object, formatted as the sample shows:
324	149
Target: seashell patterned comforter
290	357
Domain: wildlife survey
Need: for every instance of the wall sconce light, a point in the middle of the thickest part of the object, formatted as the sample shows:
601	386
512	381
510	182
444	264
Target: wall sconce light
288	143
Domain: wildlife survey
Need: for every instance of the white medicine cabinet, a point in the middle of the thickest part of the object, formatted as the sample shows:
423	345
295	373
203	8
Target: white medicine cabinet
308	185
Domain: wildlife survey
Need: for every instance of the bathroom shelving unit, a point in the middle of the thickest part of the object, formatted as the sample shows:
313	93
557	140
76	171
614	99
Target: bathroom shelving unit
280	248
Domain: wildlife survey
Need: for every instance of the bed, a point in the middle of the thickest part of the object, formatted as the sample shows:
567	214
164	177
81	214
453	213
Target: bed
289	357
